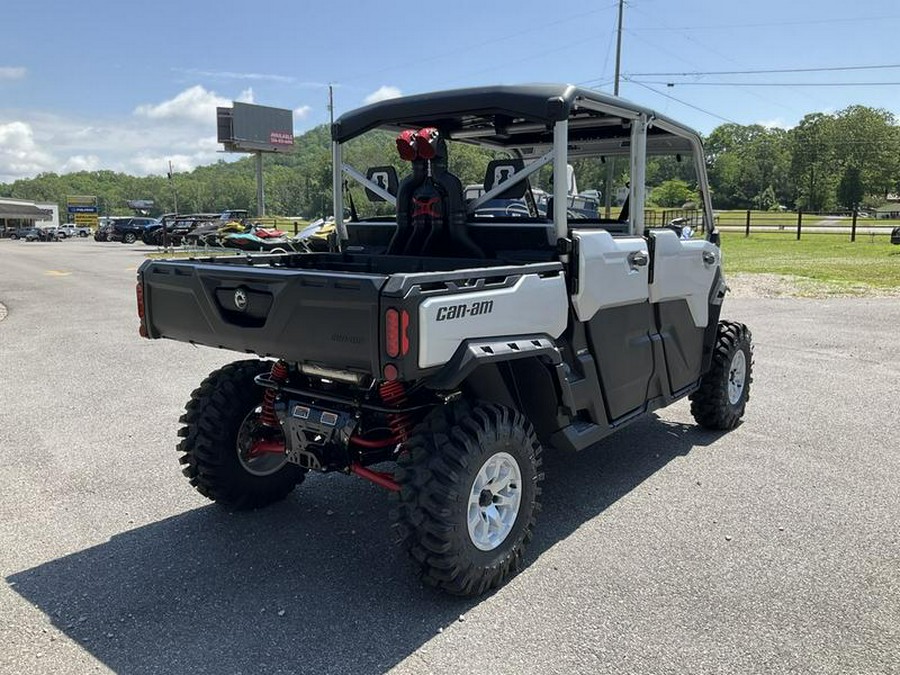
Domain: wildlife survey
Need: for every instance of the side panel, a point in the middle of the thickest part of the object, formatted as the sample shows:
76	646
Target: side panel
608	273
621	339
684	270
682	343
533	305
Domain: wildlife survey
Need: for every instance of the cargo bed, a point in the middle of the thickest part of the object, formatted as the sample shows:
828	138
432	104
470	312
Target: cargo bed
308	308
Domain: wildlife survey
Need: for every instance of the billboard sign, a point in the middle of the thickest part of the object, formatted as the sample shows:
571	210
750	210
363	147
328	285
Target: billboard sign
81	204
253	128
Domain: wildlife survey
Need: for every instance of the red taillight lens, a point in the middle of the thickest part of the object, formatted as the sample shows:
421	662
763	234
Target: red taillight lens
139	291
404	333
392	333
396	333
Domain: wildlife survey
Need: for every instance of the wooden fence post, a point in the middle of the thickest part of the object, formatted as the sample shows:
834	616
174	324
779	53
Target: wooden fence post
799	222
853	227
747	228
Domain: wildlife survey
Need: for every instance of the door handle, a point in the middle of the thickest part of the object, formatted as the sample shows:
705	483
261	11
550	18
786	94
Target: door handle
638	258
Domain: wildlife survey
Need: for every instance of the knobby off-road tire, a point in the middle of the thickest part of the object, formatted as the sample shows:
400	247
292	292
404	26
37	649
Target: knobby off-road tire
720	401
437	471
221	416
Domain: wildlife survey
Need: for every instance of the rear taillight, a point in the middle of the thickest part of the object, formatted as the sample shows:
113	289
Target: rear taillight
139	291
396	332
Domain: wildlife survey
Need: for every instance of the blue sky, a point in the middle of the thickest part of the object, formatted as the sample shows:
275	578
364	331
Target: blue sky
129	86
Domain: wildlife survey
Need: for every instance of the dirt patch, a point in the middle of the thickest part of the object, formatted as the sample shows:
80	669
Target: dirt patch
746	285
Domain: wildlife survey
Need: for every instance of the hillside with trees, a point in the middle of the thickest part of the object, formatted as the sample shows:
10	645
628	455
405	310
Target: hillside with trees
827	162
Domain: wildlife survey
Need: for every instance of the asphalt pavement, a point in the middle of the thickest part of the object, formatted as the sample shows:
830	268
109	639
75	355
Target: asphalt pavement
665	549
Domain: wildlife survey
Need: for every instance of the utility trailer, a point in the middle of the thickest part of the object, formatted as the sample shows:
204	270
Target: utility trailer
436	352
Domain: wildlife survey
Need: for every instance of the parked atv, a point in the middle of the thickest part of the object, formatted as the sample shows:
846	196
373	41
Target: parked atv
456	347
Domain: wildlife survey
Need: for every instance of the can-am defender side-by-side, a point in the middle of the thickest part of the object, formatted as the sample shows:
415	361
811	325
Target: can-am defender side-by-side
458	345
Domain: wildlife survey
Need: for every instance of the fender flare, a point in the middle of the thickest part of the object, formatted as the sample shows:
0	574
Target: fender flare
477	352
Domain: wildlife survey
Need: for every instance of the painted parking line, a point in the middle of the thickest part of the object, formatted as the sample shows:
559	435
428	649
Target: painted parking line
56	273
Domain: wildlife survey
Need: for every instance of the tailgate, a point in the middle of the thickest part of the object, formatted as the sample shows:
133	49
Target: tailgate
330	318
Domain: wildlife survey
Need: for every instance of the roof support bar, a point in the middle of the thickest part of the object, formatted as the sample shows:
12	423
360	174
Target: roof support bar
374	187
638	175
336	180
560	178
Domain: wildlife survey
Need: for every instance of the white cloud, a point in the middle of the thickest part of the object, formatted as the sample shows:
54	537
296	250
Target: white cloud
776	123
231	75
19	154
81	163
180	129
12	72
195	103
383	93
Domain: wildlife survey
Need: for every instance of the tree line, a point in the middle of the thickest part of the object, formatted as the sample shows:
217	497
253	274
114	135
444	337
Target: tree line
827	162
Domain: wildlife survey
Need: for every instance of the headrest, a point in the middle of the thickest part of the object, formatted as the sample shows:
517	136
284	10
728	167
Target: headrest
385	177
424	143
500	170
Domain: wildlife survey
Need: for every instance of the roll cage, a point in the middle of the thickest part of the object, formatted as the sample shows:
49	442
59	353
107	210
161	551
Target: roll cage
542	124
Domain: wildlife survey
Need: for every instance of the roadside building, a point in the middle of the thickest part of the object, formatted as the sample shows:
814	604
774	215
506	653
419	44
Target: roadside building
16	213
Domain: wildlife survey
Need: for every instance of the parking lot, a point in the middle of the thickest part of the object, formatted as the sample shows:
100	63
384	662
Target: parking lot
665	549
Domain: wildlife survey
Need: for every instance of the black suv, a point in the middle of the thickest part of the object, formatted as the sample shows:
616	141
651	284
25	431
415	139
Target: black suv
129	230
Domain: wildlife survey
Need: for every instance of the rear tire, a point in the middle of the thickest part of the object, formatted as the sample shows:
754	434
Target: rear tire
470	483
220	420
129	238
724	390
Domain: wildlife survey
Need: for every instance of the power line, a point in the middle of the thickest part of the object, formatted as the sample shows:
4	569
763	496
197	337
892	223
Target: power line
830	69
678	100
766	84
809	22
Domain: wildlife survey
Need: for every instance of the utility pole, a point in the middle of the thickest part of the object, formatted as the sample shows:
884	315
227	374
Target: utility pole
165	240
331	104
260	189
618	49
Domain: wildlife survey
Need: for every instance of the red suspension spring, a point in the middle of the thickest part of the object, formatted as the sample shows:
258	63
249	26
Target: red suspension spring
393	393
279	375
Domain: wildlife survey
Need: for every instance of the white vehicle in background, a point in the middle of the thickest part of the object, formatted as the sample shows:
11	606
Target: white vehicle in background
72	230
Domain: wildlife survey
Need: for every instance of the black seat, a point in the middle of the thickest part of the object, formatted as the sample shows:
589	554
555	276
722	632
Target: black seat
431	212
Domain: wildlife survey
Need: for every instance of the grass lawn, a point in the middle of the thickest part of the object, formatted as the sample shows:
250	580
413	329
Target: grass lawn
823	257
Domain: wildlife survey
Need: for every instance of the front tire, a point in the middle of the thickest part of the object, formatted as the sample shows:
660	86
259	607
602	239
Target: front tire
129	238
470	483
221	421
724	390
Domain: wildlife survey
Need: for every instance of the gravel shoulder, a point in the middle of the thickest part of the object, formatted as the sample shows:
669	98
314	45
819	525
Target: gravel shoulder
750	285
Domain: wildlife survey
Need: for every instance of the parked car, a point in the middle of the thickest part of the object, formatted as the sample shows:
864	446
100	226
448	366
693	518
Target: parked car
20	232
105	229
129	230
895	235
72	230
39	234
153	232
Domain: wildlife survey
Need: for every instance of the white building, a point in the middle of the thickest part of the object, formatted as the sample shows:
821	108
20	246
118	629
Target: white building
16	213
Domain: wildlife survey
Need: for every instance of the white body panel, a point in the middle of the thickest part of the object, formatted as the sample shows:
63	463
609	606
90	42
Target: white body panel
532	305
684	268
606	275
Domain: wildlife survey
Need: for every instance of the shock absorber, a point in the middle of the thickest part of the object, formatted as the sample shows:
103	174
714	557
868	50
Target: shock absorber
278	374
393	393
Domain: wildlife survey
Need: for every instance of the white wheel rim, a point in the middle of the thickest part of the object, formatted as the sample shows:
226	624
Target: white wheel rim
494	501
737	373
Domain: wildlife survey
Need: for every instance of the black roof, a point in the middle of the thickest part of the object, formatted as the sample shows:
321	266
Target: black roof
459	109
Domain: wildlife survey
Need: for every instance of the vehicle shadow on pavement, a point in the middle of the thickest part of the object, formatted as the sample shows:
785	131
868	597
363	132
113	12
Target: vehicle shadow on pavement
310	585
